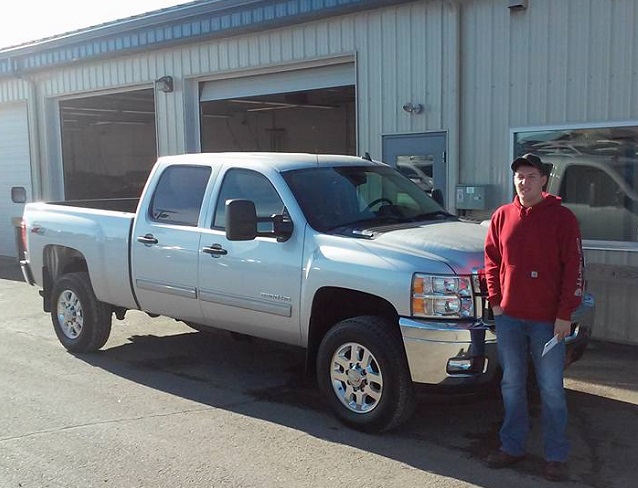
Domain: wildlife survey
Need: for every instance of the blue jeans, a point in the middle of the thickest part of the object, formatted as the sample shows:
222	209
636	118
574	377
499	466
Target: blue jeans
517	339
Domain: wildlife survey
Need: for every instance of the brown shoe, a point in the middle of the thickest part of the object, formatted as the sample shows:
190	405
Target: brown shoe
501	459
555	471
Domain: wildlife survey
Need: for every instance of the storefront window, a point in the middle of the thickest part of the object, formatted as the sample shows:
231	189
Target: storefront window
595	172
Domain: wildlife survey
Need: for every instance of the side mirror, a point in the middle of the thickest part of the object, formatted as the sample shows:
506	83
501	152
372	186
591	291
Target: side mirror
282	227
241	220
437	196
18	194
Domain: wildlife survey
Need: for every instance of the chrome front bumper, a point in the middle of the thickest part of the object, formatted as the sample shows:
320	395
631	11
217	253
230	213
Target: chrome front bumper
464	353
440	353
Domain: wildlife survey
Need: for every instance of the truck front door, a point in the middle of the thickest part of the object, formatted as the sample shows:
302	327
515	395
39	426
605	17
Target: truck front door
251	287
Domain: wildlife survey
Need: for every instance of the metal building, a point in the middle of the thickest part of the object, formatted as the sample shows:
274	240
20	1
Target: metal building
447	90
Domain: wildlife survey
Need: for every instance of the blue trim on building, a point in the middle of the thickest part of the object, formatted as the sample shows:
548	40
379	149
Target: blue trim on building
190	22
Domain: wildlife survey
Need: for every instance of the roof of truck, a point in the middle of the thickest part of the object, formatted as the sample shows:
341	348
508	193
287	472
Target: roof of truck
278	161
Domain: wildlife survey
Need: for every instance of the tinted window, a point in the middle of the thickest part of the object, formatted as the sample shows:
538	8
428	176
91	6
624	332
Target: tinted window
248	185
179	194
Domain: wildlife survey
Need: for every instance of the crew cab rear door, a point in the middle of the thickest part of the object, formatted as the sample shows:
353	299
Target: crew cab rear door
252	287
165	243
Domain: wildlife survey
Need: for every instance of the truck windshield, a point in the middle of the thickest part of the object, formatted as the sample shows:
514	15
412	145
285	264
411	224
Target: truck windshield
345	198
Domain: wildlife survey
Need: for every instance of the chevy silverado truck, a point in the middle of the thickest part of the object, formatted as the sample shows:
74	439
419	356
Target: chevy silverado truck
340	255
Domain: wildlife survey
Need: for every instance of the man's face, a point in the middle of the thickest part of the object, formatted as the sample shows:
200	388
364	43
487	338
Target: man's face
529	183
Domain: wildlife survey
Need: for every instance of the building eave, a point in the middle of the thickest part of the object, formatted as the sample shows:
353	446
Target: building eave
190	22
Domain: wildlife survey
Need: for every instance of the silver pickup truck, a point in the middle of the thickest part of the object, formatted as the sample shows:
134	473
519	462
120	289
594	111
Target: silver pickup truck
340	255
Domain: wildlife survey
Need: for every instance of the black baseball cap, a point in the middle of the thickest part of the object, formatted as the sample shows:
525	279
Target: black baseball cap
529	160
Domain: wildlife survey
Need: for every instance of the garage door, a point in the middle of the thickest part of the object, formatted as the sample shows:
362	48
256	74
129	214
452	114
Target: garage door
304	110
287	81
15	170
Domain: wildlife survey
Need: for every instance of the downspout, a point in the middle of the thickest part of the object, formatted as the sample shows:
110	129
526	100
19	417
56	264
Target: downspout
34	137
454	100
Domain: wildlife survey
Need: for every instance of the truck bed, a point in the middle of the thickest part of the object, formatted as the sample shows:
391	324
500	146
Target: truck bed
115	204
96	231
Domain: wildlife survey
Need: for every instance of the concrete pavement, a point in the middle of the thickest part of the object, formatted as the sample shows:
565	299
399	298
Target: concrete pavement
163	406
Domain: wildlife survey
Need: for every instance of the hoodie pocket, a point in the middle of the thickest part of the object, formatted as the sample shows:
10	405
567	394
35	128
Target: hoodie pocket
524	288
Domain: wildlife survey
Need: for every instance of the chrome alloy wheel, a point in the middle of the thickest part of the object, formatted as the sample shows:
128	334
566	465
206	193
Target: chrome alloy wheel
70	314
356	378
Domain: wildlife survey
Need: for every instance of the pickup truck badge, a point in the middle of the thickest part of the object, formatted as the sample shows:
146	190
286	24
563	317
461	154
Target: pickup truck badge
279	298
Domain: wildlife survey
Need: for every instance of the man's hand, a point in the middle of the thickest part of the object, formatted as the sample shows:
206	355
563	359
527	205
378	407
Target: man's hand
562	328
497	310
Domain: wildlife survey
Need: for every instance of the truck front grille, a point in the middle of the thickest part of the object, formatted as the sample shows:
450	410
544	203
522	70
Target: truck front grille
482	305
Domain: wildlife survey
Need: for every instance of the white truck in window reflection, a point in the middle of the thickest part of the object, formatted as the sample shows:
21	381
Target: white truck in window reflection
601	193
340	255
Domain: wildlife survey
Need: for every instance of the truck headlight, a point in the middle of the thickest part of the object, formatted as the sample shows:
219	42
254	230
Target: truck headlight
436	296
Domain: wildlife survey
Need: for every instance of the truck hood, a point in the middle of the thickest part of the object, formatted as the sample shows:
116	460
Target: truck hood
458	244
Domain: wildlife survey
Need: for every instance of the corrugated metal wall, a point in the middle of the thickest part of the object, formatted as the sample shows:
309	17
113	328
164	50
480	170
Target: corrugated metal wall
400	56
613	278
560	62
12	90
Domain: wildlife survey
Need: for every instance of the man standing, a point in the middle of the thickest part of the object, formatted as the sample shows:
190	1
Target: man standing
533	266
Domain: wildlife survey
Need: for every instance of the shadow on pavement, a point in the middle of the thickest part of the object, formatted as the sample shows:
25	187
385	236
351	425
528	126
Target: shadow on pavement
257	378
10	269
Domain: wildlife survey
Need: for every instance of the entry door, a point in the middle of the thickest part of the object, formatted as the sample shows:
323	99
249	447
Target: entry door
15	170
421	157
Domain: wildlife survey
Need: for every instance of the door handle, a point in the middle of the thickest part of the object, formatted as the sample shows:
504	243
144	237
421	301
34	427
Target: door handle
215	250
147	239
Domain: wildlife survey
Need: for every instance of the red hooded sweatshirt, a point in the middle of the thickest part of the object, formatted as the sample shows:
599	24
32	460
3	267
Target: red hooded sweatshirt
533	260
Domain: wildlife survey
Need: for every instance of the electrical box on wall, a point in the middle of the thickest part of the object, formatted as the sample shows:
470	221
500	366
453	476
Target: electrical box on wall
471	197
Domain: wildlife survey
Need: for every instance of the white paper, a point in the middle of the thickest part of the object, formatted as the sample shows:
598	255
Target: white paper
550	344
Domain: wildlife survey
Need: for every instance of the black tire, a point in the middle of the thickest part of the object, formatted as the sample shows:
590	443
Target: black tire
81	322
363	374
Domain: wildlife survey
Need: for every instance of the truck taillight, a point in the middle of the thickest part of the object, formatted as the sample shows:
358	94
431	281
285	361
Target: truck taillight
23	236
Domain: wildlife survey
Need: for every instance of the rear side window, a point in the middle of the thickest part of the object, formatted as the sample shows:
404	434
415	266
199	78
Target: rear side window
179	194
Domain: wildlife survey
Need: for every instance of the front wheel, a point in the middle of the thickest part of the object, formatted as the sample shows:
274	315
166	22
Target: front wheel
363	374
81	322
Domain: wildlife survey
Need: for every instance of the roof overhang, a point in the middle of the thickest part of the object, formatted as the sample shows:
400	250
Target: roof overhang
190	22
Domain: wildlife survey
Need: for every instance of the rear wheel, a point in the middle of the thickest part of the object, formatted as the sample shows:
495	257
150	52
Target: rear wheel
81	322
363	374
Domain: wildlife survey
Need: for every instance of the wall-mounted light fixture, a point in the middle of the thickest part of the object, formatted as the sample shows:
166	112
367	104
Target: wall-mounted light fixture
514	5
412	108
164	84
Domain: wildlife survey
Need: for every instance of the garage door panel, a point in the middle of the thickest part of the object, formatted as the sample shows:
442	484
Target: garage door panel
15	170
286	81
